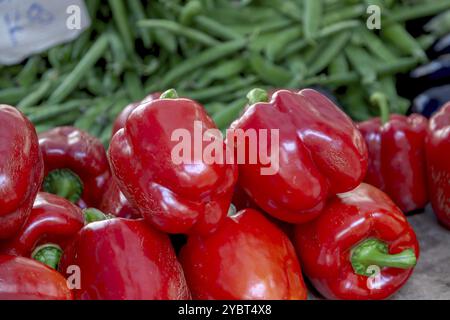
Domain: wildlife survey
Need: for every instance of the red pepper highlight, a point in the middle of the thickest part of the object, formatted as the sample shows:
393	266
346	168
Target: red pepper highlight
21	168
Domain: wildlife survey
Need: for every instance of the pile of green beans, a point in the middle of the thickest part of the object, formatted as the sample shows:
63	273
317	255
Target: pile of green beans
215	51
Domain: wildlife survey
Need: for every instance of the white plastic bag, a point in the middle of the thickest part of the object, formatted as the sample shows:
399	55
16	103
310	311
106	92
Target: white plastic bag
32	26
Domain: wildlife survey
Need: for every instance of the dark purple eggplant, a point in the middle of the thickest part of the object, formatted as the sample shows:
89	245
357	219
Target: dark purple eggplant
431	100
442	46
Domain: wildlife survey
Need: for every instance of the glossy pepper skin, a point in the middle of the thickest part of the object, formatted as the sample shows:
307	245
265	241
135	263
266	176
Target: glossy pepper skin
247	258
52	220
21	168
321	153
121	119
438	164
26	279
114	202
124	259
176	198
327	246
81	153
397	162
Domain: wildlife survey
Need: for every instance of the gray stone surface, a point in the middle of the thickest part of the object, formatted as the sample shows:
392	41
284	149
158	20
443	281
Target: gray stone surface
431	278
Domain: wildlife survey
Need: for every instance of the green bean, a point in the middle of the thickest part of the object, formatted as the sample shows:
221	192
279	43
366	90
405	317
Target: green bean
166	40
29	72
224	70
312	18
204	58
179	30
362	62
397	104
80	45
291	10
419	10
339	65
225	117
89	117
92	8
74	78
93	83
134	86
267	26
214	91
120	57
400	38
323	33
137	9
37	95
13	95
120	17
64	119
376	46
344	13
269	72
355	105
216	29
338	27
398	65
42	114
189	11
331	50
274	48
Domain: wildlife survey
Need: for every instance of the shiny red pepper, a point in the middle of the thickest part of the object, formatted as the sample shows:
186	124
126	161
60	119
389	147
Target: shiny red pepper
248	257
438	164
76	166
26	279
21	168
176	198
114	202
360	247
321	153
397	158
122	259
121	119
52	223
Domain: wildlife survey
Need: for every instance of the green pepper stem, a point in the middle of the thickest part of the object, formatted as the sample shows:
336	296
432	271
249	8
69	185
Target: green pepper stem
375	252
48	254
93	215
64	183
169	94
379	99
257	95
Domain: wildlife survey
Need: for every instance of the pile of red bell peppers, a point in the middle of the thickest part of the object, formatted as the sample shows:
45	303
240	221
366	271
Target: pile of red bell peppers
81	222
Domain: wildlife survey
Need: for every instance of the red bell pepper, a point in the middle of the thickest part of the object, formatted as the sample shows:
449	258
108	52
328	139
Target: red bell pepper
122	259
76	166
26	279
21	168
114	202
397	158
360	247
121	119
52	223
438	162
176	198
248	257
321	153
